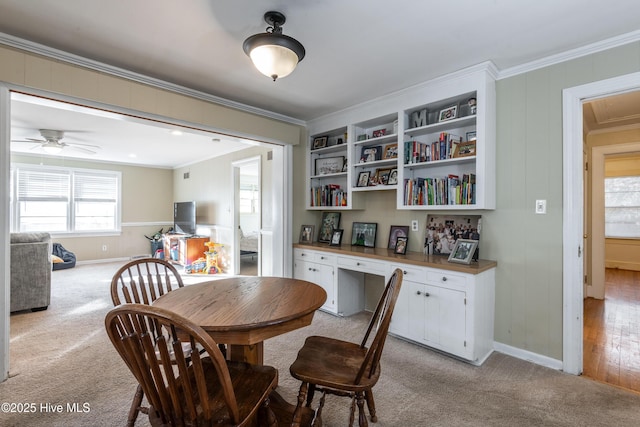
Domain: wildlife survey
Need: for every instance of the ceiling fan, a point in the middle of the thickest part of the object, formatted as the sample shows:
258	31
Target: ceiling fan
52	143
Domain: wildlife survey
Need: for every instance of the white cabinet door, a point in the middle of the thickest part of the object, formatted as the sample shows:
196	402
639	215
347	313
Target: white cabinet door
445	319
437	317
325	277
321	275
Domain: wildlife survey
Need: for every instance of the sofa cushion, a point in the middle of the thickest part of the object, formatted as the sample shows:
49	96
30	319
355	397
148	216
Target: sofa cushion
29	237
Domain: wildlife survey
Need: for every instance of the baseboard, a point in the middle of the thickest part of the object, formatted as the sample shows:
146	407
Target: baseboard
529	356
103	261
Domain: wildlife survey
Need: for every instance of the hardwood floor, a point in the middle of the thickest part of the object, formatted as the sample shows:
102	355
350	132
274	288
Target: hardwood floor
612	331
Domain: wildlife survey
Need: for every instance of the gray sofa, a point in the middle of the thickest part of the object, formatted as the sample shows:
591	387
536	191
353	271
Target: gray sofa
30	271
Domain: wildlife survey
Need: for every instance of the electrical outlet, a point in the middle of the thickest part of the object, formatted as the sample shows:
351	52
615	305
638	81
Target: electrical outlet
541	206
414	225
104	248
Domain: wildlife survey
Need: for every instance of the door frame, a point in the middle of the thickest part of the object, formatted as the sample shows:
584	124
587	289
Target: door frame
573	209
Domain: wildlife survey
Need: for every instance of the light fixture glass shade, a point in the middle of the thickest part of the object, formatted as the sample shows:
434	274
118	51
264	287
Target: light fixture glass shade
274	54
274	61
52	148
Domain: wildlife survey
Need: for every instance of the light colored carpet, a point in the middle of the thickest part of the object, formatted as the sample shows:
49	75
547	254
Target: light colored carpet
62	356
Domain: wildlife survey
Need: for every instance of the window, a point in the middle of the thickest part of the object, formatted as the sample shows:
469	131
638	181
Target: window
622	207
64	200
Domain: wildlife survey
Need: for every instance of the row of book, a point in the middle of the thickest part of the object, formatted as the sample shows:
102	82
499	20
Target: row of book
450	190
419	152
328	195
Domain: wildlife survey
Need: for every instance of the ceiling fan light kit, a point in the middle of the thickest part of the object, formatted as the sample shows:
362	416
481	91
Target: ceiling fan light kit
274	54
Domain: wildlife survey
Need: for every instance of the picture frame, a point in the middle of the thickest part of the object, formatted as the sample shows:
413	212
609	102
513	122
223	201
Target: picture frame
306	234
371	154
320	142
463	251
329	165
379	132
381	176
464	149
442	231
390	151
448	113
401	246
393	177
363	179
330	221
396	231
336	237
364	234
471	136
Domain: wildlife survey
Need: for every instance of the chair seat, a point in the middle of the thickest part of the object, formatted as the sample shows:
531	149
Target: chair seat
251	383
332	363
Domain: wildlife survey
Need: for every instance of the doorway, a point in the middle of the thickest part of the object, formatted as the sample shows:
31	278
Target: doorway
247	179
574	208
279	220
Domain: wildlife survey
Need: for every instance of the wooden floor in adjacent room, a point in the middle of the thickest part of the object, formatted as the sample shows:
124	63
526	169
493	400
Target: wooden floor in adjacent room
612	331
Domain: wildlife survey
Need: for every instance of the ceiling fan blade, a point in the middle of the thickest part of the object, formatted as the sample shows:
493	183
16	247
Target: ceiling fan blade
83	145
39	141
84	150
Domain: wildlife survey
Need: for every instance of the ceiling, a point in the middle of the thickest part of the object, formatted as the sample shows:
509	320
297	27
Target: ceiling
356	50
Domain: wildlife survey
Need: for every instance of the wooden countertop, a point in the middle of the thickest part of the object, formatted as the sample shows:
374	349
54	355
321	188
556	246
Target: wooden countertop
412	258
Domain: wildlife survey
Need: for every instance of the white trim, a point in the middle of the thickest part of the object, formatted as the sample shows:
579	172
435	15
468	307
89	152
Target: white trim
60	55
5	260
569	55
572	211
529	356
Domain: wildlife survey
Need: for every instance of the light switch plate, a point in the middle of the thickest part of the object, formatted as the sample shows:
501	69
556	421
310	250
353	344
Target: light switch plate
541	206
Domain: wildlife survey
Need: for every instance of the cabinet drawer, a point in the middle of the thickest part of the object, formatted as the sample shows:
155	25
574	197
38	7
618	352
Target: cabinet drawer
411	273
361	264
324	258
304	254
442	277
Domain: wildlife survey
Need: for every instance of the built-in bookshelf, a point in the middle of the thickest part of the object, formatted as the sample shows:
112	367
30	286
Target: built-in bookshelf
375	154
439	154
328	166
434	145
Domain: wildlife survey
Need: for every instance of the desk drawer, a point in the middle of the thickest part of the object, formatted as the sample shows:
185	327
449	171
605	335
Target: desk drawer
441	277
361	264
411	273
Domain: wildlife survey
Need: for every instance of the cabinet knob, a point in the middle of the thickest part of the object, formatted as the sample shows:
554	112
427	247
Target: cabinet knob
418	293
303	254
321	257
310	269
427	294
404	272
357	263
444	278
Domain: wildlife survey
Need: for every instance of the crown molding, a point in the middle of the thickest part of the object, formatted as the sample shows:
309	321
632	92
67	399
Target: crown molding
49	52
568	55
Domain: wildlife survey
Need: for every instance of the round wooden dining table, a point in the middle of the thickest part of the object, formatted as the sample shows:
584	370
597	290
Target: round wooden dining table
243	311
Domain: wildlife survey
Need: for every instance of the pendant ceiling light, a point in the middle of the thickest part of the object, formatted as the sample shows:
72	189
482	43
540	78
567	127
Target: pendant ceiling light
274	54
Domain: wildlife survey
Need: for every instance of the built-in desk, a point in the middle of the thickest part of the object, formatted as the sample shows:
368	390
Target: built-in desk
443	305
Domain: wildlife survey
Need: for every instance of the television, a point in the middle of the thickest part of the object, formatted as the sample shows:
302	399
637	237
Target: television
184	218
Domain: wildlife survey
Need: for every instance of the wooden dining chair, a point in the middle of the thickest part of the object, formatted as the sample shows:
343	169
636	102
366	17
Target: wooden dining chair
143	281
206	389
343	368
